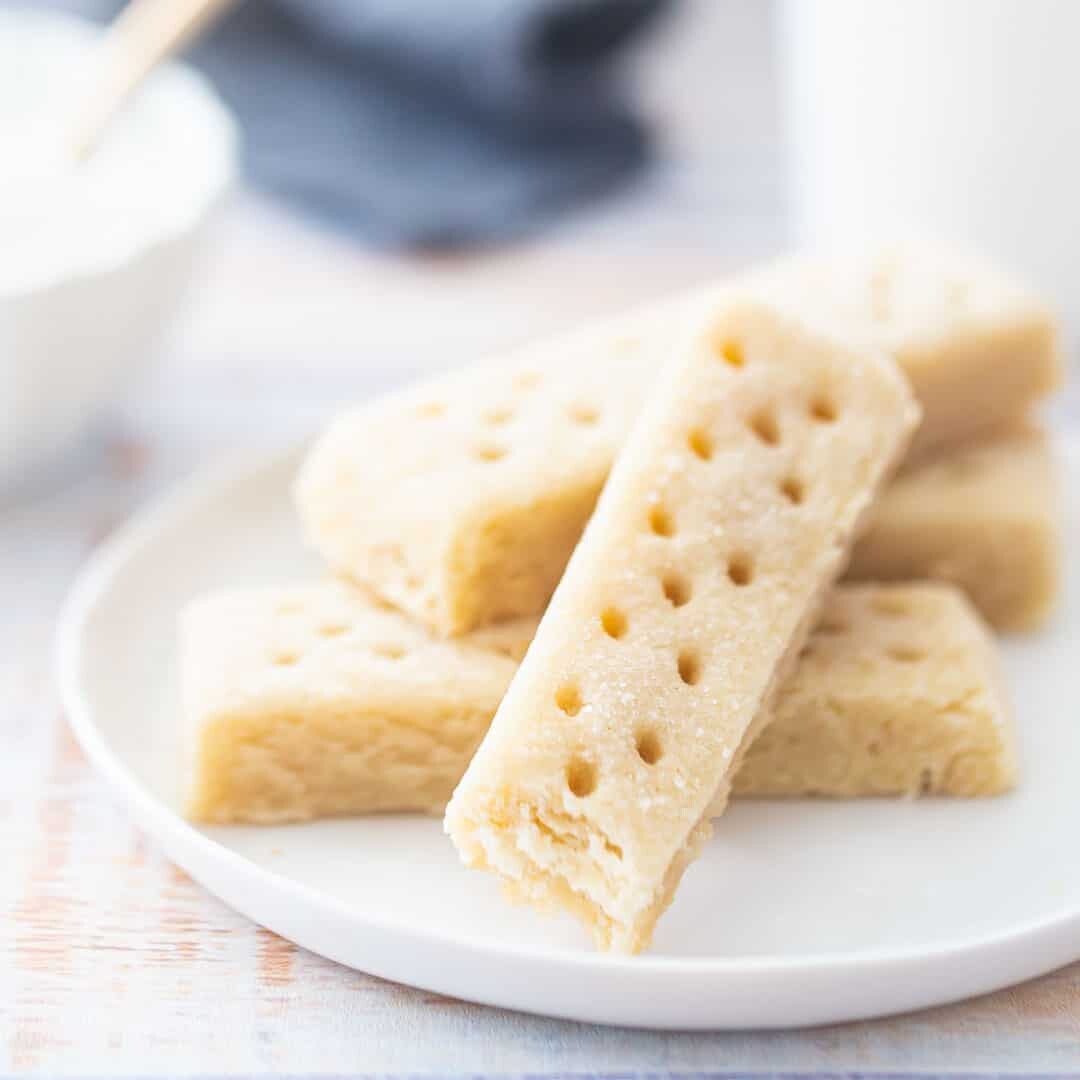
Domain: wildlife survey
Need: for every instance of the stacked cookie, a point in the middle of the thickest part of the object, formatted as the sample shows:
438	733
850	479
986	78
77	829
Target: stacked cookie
732	452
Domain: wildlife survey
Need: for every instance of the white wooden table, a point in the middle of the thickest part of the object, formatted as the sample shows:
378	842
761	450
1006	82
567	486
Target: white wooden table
112	962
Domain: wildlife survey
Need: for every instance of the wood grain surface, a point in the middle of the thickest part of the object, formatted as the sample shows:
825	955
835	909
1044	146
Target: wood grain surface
112	961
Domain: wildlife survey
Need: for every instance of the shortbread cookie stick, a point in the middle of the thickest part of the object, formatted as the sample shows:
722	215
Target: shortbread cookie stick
312	701
977	347
460	500
897	693
726	518
985	518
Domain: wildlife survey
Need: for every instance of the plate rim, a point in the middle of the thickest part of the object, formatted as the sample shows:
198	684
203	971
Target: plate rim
184	843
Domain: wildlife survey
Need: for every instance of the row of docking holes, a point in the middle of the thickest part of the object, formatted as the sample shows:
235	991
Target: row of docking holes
581	413
762	423
834	624
581	775
385	650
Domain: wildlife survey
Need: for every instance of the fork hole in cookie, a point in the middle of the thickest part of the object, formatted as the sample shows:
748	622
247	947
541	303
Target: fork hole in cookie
497	417
700	443
388	650
286	658
330	630
429	410
568	699
763	424
580	777
891	606
661	522
527	380
647	744
823	409
584	414
490	452
676	589
731	352
793	489
740	570
614	622
689	665
906	654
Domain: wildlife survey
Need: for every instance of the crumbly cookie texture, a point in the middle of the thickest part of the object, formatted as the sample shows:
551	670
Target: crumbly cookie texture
985	518
977	347
726	518
314	701
461	500
898	692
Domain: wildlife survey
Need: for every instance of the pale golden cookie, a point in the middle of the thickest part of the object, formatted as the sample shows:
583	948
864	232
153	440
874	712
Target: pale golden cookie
312	701
727	517
461	500
849	722
898	692
985	519
977	347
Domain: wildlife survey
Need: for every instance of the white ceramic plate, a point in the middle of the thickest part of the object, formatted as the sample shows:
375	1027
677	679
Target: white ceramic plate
798	913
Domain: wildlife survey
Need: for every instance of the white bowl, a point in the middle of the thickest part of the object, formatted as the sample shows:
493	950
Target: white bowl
87	284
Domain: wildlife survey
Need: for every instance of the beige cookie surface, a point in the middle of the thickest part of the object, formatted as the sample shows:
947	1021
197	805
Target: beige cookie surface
726	518
898	692
978	347
461	500
312	701
985	519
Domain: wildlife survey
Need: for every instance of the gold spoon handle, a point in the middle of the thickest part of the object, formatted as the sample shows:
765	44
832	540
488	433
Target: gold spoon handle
144	34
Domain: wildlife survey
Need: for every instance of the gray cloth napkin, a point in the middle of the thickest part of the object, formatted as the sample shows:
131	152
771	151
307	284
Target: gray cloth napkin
429	123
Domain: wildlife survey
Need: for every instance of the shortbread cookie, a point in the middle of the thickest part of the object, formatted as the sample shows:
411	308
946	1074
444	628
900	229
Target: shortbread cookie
898	692
861	715
460	500
977	347
727	516
985	518
311	701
